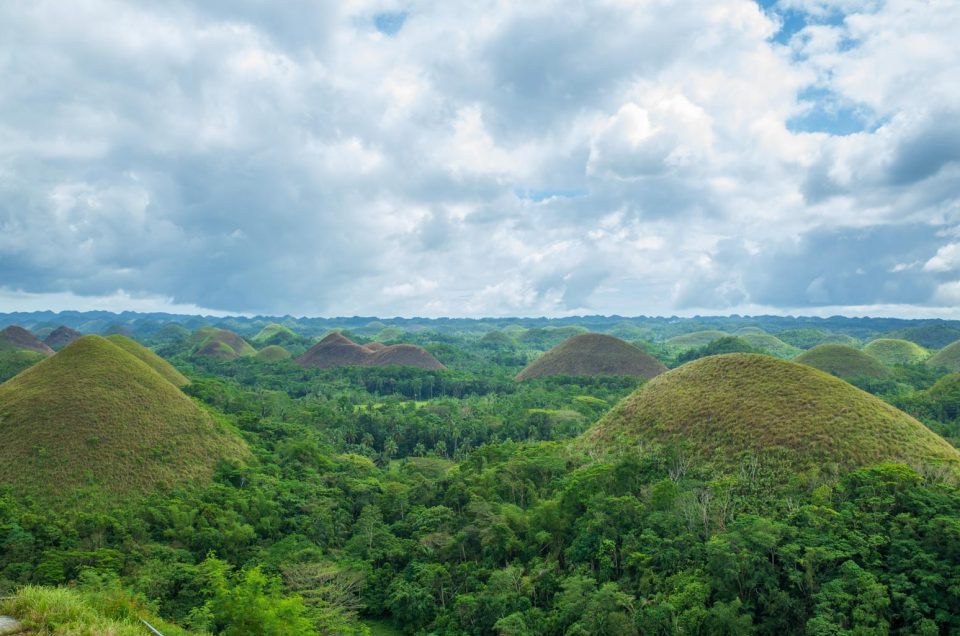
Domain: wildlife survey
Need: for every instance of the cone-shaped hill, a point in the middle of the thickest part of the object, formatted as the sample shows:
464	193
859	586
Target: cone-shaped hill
151	359
696	339
273	353
593	354
720	406
375	346
61	337
947	358
277	334
94	415
19	350
767	343
892	351
336	350
931	336
843	362
221	344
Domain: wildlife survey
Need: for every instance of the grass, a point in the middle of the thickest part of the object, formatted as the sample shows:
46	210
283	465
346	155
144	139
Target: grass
593	354
221	343
47	611
947	358
13	361
843	362
807	338
724	405
932	336
276	334
273	353
767	343
151	359
695	340
94	417
893	351
336	350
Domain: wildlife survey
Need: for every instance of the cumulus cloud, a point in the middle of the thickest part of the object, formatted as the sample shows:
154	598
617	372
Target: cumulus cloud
420	157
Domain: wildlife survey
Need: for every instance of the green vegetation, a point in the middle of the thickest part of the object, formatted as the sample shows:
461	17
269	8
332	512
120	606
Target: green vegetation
274	334
220	344
807	338
720	346
695	339
19	350
947	358
844	362
747	403
892	351
593	354
149	358
273	353
95	416
762	341
336	350
932	336
61	337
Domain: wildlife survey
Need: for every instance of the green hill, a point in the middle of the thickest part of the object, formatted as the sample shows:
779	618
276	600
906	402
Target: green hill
767	343
151	359
273	353
723	405
95	416
947	358
807	338
893	351
842	361
593	354
933	336
695	340
19	350
221	344
277	334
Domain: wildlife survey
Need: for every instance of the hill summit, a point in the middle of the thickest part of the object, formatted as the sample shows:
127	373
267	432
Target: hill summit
724	405
221	344
61	337
19	350
336	350
593	354
843	361
14	337
893	351
947	358
95	416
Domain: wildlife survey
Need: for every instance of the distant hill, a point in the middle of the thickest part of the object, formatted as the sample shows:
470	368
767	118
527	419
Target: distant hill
893	351
221	344
61	337
336	350
933	336
19	350
807	338
767	343
947	358
593	354
277	334
273	353
95	416
720	406
696	339
151	359
375	346
842	361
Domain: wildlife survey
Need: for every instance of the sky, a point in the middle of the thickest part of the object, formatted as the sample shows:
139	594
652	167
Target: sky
482	158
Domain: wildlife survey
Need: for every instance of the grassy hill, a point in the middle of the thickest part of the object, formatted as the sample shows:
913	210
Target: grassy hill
336	350
95	416
695	340
842	361
593	354
760	339
807	338
893	351
221	344
19	350
273	353
151	359
723	405
61	337
934	336
947	358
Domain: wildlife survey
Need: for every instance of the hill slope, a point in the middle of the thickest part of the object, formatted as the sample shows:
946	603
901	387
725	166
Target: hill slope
273	353
94	415
768	343
722	405
14	337
843	361
61	337
947	358
696	339
19	350
221	344
893	351
593	354
336	350
151	359
932	336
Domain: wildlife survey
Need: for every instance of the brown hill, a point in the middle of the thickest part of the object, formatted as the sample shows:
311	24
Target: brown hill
337	350
221	344
593	354
14	337
375	346
61	337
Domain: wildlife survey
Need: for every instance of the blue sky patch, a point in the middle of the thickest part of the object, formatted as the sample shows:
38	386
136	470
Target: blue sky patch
390	22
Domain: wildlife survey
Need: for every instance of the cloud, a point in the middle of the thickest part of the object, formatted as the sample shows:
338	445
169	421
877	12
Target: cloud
378	156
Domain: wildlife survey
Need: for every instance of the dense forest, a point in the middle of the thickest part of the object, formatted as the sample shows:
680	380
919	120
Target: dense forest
398	500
